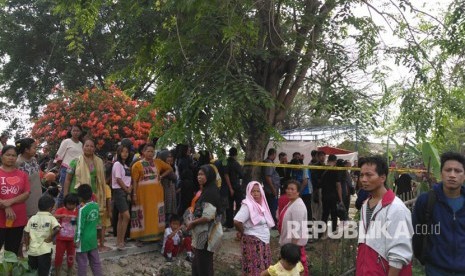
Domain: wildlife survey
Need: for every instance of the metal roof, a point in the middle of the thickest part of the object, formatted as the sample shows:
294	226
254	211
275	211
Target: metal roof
316	133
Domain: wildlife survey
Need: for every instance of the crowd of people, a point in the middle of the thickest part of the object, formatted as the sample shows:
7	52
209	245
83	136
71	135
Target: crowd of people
186	201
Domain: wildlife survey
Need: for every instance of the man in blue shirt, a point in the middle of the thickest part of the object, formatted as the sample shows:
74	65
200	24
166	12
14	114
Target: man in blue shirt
445	252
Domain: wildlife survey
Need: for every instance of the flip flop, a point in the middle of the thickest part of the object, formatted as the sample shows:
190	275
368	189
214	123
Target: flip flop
104	249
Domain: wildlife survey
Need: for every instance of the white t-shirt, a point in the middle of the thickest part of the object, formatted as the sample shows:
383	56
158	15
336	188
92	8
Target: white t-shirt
40	227
68	151
120	171
261	230
176	238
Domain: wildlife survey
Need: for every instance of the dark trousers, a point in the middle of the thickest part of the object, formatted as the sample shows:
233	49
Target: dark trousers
346	202
307	199
273	205
330	207
202	264
11	238
41	263
230	212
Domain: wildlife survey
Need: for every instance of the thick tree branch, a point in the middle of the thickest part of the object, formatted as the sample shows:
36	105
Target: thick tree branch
138	94
286	95
97	64
241	142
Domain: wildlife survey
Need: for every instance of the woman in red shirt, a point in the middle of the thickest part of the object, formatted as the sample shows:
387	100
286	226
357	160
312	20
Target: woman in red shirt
14	191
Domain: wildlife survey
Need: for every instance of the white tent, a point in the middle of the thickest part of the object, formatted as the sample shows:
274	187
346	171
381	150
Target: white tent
307	139
289	147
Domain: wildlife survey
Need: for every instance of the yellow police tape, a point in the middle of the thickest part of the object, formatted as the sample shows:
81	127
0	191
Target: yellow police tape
312	167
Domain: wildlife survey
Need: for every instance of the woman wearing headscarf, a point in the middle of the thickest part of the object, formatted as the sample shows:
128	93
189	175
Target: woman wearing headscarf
206	229
169	185
254	221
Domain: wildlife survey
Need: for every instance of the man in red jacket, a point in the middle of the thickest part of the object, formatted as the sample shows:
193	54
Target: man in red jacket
385	232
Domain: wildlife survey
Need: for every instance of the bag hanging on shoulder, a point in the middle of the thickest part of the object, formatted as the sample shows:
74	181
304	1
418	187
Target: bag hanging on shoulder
420	240
215	235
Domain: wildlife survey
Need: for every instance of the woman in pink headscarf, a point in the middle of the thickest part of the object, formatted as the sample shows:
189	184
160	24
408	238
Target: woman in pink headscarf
254	221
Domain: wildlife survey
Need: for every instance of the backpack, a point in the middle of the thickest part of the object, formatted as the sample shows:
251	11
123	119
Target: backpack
420	241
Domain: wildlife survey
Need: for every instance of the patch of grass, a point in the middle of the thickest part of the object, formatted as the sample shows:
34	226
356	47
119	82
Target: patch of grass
418	269
332	257
227	270
174	271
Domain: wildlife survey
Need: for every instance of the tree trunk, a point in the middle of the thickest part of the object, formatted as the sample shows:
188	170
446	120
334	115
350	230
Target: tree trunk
255	151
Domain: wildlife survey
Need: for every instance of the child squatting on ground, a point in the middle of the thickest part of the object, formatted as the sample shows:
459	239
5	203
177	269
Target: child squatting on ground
67	216
86	233
174	242
38	234
289	263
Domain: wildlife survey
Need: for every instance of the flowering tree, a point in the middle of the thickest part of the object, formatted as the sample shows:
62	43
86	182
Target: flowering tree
106	115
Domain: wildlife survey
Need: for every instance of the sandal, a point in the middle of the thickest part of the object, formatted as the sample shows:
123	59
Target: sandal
121	247
104	249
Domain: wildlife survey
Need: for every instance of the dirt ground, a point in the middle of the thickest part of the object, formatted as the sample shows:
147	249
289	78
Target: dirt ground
322	258
227	261
325	257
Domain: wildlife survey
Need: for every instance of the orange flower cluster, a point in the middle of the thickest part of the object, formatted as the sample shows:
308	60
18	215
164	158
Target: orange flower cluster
107	115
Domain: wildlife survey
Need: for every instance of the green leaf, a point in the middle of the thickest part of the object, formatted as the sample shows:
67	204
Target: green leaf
10	257
431	159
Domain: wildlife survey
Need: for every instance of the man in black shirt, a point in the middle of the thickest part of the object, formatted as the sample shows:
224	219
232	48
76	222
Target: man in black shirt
233	174
226	188
331	192
284	173
318	159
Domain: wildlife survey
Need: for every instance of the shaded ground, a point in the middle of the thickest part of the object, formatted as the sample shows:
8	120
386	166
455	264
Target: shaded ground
321	255
325	257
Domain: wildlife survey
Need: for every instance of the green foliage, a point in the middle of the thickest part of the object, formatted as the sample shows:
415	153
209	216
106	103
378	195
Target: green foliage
407	154
431	99
229	71
431	159
40	51
418	270
455	137
14	266
226	69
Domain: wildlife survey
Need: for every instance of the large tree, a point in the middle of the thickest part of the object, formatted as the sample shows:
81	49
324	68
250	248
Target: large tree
35	53
230	70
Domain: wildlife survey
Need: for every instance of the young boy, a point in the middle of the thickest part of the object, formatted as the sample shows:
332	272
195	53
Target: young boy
65	239
174	243
38	234
86	233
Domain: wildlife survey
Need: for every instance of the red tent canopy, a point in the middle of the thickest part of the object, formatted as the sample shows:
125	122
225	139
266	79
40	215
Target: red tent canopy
332	150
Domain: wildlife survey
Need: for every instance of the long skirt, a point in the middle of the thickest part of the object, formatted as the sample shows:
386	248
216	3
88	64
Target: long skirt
256	255
169	190
148	217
